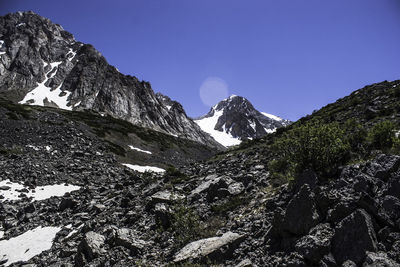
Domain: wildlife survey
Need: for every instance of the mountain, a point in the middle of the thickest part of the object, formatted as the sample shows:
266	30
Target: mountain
42	64
235	119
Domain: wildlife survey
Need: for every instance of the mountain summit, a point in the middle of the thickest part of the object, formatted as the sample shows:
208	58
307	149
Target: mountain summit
235	119
42	64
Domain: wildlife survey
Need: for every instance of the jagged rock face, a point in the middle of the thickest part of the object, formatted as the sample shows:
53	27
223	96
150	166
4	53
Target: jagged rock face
239	120
42	64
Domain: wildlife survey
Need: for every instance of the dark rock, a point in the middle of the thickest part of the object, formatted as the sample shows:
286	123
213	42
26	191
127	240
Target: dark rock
391	206
328	261
67	203
394	187
301	213
161	212
379	260
354	236
316	244
382	166
126	237
349	263
307	177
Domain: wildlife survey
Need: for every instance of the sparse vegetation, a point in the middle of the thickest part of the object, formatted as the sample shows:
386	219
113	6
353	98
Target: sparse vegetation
185	224
321	147
174	176
382	135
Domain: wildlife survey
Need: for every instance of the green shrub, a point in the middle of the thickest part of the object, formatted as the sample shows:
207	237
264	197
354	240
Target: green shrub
320	147
356	135
174	176
185	224
381	135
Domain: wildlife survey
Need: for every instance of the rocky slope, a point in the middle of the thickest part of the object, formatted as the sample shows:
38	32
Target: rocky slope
42	64
235	119
226	210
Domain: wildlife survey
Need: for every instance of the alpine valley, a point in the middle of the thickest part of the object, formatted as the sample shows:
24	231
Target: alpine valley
98	170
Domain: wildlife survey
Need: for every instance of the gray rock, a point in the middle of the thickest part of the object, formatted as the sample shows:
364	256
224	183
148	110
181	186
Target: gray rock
245	263
92	246
301	213
166	197
236	188
391	206
210	187
379	259
316	244
354	236
214	248
161	213
127	238
382	166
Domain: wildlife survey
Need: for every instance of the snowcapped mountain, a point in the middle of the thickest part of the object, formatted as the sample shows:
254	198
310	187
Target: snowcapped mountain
42	64
235	119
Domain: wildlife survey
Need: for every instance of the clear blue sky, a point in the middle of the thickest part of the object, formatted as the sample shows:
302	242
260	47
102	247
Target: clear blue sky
288	57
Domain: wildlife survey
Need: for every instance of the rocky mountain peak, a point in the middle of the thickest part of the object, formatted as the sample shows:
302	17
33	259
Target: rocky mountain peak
42	64
235	119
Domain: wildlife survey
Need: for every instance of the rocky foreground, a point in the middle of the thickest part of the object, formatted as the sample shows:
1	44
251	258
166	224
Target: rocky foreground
223	211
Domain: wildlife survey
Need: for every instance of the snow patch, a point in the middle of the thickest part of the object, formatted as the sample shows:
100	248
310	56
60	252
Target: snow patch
71	54
140	150
28	244
41	93
143	168
20	24
39	193
272	116
270	130
253	125
208	125
1	46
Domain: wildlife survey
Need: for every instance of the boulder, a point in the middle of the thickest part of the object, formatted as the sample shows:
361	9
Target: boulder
354	236
316	244
391	206
301	213
379	259
382	166
127	238
213	186
92	246
216	249
67	203
236	188
165	197
306	177
161	213
394	187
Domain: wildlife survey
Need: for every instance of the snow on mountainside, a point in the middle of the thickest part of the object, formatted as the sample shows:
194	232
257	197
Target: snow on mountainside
235	119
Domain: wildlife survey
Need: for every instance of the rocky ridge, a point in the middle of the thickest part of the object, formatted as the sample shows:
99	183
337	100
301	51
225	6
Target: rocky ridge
42	64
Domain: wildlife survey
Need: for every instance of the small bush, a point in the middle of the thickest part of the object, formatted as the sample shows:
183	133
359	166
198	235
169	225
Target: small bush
320	147
381	135
185	224
356	135
174	176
